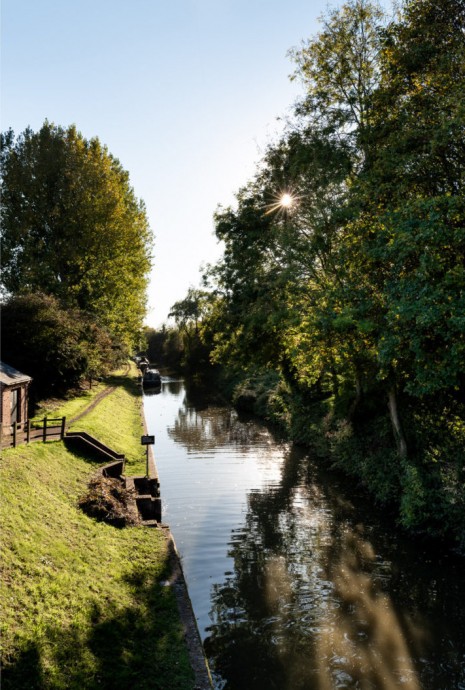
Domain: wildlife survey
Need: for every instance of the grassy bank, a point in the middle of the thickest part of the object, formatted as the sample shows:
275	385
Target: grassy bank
84	605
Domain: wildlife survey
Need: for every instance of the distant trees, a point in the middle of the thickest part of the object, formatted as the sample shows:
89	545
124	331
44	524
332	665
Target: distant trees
164	347
73	229
190	314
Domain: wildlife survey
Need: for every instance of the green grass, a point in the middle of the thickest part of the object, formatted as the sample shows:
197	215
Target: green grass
83	604
71	407
117	422
77	401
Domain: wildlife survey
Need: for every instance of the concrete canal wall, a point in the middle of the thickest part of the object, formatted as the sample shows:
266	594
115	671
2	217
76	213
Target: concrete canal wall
178	582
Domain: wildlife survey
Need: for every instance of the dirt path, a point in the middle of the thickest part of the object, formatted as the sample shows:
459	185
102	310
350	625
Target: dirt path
98	398
94	403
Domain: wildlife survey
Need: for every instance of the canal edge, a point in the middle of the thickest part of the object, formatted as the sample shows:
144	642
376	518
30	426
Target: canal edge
198	660
197	657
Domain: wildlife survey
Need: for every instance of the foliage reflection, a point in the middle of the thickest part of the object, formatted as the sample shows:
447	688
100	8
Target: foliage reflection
317	601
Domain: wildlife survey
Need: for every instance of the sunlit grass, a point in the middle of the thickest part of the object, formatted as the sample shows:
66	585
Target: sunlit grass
77	401
82	604
117	422
70	408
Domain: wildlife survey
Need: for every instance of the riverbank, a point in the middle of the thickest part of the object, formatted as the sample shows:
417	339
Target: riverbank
423	491
84	604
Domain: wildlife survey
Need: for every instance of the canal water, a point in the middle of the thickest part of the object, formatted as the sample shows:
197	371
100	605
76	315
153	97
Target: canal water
296	581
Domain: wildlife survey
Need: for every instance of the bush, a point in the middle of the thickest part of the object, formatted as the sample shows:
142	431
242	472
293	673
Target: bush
57	347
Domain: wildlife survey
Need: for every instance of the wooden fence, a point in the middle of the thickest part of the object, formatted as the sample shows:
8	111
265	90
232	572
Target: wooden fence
25	432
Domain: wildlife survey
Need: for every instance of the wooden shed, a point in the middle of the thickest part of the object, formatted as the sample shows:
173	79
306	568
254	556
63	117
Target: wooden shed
14	387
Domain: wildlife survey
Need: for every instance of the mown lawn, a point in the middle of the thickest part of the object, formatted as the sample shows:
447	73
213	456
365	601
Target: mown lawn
84	604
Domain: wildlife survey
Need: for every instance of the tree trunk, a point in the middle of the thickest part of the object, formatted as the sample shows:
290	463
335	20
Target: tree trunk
358	397
396	425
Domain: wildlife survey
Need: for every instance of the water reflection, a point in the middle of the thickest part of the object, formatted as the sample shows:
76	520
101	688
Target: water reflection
155	390
173	386
206	429
305	586
312	603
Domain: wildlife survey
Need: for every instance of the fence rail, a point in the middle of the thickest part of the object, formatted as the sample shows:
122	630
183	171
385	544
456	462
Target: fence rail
24	432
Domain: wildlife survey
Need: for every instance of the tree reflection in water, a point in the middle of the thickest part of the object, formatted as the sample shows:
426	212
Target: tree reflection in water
202	430
312	604
320	593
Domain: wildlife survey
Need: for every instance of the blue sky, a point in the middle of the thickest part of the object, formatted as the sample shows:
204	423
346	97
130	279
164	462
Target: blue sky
185	93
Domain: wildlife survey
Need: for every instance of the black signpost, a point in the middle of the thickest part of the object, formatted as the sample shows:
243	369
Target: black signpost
147	441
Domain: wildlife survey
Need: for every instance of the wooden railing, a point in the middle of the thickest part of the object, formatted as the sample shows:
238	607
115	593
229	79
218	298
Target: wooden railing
24	432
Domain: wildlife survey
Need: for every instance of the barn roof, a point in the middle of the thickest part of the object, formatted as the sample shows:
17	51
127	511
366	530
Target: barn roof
9	376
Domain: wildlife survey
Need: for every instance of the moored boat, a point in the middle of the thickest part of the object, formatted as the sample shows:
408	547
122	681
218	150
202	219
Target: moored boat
151	378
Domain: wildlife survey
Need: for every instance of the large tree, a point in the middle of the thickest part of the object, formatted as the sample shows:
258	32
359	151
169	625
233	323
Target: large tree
73	228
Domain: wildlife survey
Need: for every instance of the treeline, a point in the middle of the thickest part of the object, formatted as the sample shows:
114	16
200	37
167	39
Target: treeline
184	348
76	253
338	307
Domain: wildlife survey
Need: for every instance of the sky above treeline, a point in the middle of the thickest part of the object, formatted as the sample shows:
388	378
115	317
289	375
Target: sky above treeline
185	93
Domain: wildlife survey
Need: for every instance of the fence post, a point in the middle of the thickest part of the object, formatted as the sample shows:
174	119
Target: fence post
15	428
63	427
28	431
45	429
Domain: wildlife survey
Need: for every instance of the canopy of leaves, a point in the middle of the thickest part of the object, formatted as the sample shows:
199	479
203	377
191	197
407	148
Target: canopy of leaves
73	228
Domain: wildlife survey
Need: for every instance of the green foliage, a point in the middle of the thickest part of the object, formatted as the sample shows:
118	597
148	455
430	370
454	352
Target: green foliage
264	394
73	228
57	347
340	68
424	246
418	110
352	295
248	315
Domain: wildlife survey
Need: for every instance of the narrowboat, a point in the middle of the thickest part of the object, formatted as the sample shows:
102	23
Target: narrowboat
151	378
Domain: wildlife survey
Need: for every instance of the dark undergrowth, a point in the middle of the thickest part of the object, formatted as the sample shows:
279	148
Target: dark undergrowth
424	491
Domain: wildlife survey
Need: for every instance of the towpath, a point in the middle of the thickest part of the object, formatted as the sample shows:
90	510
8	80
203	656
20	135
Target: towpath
98	398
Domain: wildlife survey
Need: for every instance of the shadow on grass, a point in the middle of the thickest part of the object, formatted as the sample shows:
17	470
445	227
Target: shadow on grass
93	458
129	383
130	648
26	671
